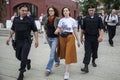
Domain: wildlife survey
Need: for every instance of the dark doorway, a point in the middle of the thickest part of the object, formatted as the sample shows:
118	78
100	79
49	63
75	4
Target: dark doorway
32	8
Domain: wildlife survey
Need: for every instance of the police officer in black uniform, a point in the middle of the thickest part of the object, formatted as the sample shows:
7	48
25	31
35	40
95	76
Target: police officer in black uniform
22	26
93	31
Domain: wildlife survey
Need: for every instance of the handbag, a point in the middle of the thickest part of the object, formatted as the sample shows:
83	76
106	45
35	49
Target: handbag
64	34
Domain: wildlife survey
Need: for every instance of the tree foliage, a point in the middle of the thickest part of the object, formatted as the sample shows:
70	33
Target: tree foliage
108	4
111	4
85	3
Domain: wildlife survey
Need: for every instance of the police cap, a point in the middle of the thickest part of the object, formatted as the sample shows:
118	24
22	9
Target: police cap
91	6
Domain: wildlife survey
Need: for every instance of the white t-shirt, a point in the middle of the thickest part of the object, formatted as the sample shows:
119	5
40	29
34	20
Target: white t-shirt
41	17
12	18
67	24
115	17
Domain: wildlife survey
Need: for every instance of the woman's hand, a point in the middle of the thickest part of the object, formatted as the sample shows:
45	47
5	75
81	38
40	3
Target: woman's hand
100	39
57	31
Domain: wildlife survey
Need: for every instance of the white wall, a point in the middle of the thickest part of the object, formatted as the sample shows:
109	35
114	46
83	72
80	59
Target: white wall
8	24
1	25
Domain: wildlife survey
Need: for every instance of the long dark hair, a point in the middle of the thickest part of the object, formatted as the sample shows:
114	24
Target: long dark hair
63	11
55	10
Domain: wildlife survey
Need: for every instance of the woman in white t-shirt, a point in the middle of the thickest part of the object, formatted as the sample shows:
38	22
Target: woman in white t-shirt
67	26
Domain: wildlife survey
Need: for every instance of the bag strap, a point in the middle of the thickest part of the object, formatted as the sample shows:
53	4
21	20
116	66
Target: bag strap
108	17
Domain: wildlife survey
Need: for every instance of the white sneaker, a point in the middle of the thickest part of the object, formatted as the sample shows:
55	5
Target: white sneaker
66	76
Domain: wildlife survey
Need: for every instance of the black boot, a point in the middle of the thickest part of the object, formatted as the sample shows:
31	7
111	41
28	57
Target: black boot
21	76
85	69
111	45
29	64
93	63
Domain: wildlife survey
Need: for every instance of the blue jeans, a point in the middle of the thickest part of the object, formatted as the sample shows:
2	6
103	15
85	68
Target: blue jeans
53	42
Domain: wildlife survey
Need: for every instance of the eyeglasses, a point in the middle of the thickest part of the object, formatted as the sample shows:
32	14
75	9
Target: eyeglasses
51	10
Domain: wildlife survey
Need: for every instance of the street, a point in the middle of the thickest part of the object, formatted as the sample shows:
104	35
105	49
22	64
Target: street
108	62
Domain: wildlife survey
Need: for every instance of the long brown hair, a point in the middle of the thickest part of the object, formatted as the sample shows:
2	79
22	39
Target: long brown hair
63	11
55	10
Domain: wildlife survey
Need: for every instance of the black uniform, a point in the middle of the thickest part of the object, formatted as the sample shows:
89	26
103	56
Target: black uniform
91	26
22	29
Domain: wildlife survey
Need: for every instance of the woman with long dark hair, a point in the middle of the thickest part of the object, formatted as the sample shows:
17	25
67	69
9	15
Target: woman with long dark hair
67	26
50	27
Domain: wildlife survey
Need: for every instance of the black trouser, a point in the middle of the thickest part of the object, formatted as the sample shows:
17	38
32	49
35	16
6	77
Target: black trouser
111	33
91	48
106	28
79	25
22	51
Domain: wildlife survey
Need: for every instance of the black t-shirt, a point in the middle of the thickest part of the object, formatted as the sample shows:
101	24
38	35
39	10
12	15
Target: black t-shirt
23	27
50	30
79	18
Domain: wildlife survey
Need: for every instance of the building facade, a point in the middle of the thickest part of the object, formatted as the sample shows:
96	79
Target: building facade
0	11
37	7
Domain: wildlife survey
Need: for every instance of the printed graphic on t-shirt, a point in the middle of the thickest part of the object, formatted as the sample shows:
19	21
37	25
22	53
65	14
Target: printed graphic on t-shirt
65	26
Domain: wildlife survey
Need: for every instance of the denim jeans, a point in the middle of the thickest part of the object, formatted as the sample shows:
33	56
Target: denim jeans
53	42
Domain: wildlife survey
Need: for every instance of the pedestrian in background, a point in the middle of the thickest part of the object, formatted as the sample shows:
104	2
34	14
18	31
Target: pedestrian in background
44	33
14	15
104	22
92	30
67	28
112	20
41	22
51	25
79	19
21	27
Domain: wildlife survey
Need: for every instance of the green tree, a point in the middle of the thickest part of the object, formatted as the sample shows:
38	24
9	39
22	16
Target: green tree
85	3
112	4
109	4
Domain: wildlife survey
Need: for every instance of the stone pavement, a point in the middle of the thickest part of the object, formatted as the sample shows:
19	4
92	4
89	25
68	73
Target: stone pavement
108	62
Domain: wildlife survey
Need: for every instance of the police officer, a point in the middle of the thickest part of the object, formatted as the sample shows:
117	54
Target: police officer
93	31
22	26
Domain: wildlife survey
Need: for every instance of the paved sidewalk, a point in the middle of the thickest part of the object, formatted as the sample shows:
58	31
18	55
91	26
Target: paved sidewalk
108	62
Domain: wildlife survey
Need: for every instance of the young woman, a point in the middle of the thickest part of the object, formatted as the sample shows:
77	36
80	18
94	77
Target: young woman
51	24
67	50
